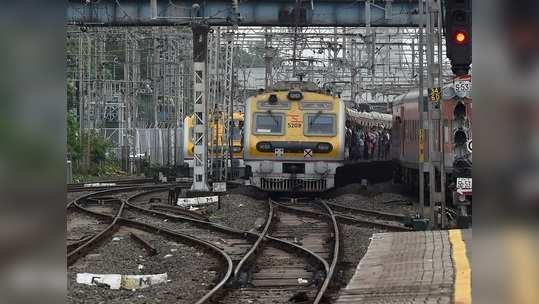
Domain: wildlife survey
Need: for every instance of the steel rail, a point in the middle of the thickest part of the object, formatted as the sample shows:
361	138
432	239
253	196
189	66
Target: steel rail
388	215
229	230
351	219
74	190
80	247
244	234
75	254
180	211
257	243
158	230
335	258
85	196
117	181
175	234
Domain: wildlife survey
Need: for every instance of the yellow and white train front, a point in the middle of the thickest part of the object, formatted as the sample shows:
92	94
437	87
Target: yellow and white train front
294	140
216	144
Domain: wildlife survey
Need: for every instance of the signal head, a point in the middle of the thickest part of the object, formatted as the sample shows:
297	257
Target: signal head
460	37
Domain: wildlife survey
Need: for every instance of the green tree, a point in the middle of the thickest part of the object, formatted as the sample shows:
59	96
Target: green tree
73	141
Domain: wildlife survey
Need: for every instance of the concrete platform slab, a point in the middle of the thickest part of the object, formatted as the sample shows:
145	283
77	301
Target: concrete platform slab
413	267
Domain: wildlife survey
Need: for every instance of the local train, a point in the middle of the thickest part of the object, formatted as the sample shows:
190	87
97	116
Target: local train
457	134
369	119
216	142
294	138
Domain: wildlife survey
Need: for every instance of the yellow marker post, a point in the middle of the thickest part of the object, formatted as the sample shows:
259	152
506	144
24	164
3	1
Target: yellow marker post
421	145
463	273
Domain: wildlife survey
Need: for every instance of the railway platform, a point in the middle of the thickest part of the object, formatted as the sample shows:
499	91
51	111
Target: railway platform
413	267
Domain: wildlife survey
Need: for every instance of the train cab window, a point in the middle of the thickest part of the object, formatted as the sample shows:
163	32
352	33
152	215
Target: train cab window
319	124
268	123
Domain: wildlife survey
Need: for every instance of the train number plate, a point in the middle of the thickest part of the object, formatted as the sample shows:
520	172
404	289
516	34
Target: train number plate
462	87
294	125
464	184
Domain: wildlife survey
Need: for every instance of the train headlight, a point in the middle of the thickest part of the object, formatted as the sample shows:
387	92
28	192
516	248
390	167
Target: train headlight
264	146
236	149
295	95
324	148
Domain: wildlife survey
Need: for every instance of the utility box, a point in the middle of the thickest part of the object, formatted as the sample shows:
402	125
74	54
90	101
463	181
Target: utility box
417	223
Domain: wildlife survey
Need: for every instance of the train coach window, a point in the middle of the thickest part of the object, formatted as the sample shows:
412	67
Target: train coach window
319	124
268	124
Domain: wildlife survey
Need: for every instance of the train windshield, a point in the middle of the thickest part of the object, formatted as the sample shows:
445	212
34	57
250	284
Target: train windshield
270	123
320	124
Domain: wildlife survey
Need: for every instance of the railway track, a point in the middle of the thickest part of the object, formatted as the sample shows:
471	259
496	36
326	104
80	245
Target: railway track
369	212
288	258
250	262
300	275
234	243
355	216
114	213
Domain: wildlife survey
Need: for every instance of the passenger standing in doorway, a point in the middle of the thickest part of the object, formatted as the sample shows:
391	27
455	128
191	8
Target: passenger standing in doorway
360	143
366	144
372	142
347	140
387	143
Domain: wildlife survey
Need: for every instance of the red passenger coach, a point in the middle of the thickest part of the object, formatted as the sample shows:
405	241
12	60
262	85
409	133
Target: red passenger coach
457	140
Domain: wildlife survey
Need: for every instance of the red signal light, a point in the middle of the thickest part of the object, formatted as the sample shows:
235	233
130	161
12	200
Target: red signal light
460	37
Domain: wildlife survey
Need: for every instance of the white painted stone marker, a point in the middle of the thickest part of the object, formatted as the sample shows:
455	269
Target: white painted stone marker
117	281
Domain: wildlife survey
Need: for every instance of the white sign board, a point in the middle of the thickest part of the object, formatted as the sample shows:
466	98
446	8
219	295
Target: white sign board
469	145
308	153
462	87
195	201
90	185
117	281
464	184
219	187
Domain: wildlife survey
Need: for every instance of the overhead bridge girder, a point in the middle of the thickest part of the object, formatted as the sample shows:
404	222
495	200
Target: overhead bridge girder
394	13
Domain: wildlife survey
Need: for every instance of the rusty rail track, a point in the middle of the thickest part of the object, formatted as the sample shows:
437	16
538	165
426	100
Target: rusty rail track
331	263
117	221
375	213
354	220
335	257
85	247
256	246
250	257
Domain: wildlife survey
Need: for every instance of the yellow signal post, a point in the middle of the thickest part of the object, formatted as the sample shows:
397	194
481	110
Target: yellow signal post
421	145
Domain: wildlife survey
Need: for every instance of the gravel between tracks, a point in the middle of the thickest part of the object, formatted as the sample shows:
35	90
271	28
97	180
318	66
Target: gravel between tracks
381	197
80	224
191	271
239	211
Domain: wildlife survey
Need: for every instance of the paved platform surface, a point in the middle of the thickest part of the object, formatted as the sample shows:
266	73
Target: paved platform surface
413	267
